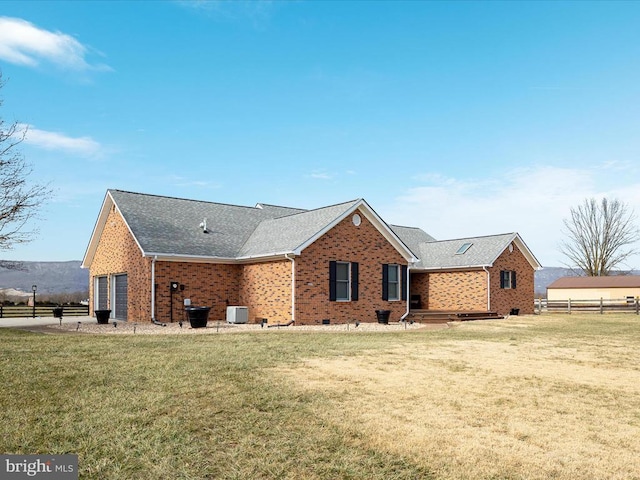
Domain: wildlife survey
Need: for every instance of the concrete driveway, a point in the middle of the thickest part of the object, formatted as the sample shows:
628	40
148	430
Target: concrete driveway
20	322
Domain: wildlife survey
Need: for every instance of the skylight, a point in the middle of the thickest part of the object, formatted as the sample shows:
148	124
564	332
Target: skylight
463	249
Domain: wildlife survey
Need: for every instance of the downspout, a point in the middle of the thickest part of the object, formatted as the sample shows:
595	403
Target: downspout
406	313
293	286
488	289
153	293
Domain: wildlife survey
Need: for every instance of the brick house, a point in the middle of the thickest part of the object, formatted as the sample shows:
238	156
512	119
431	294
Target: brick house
150	255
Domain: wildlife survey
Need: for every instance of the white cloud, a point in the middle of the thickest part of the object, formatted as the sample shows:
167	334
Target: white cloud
257	12
82	146
23	43
320	175
531	201
180	181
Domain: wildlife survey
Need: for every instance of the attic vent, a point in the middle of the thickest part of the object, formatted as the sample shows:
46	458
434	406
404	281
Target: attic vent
463	249
203	226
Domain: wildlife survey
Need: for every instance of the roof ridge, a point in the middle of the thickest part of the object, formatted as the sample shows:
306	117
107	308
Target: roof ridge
478	237
317	209
405	226
170	197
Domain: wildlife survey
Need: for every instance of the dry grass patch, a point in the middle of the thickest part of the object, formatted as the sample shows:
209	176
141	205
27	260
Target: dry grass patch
180	406
529	397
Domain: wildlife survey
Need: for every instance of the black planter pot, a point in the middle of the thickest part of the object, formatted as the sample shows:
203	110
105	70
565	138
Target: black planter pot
383	316
57	312
102	316
198	316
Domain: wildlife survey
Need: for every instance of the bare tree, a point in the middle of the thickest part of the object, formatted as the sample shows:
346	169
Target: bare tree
600	236
19	199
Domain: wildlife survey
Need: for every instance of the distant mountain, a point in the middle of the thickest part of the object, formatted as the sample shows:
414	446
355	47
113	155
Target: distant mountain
49	277
68	277
547	276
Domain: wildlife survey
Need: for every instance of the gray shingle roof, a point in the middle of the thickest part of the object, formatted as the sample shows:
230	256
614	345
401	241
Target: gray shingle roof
412	237
166	225
289	233
442	254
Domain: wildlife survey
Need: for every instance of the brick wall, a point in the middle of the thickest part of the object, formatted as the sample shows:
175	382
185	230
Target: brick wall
522	297
348	243
266	287
420	286
205	284
467	290
457	290
266	290
118	253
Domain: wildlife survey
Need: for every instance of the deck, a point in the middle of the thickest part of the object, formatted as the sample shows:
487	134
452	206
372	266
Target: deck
444	316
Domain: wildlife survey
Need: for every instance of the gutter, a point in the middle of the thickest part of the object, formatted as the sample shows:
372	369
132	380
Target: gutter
406	313
174	257
456	267
293	286
488	289
153	293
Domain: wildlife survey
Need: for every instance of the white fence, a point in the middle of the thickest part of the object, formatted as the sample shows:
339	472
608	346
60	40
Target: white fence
602	305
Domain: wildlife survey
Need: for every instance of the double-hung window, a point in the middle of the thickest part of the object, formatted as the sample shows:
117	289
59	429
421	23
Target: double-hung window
508	279
343	281
394	282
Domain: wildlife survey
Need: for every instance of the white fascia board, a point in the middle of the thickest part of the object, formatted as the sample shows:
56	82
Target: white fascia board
363	207
170	257
450	269
517	240
101	221
98	229
130	231
527	253
387	233
298	250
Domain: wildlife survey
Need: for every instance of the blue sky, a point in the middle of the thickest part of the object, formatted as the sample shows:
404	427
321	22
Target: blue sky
462	118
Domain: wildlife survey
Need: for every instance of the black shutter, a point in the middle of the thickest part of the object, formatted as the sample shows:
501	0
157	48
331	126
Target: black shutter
502	275
513	279
332	281
385	282
354	281
404	270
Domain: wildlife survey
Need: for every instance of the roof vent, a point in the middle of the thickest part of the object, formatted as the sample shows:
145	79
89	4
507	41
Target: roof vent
203	226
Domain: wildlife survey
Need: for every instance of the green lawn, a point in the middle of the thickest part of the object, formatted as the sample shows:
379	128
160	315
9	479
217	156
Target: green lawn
313	405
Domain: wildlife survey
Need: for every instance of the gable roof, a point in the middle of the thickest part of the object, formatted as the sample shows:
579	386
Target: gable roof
169	228
611	281
482	251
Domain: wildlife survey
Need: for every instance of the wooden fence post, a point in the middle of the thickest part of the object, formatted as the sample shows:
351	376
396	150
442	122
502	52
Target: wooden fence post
601	307
569	306
539	305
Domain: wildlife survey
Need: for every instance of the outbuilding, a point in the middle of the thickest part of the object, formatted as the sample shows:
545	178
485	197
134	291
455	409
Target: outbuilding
613	287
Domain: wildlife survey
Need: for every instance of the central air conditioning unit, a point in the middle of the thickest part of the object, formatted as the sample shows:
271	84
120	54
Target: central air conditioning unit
237	314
